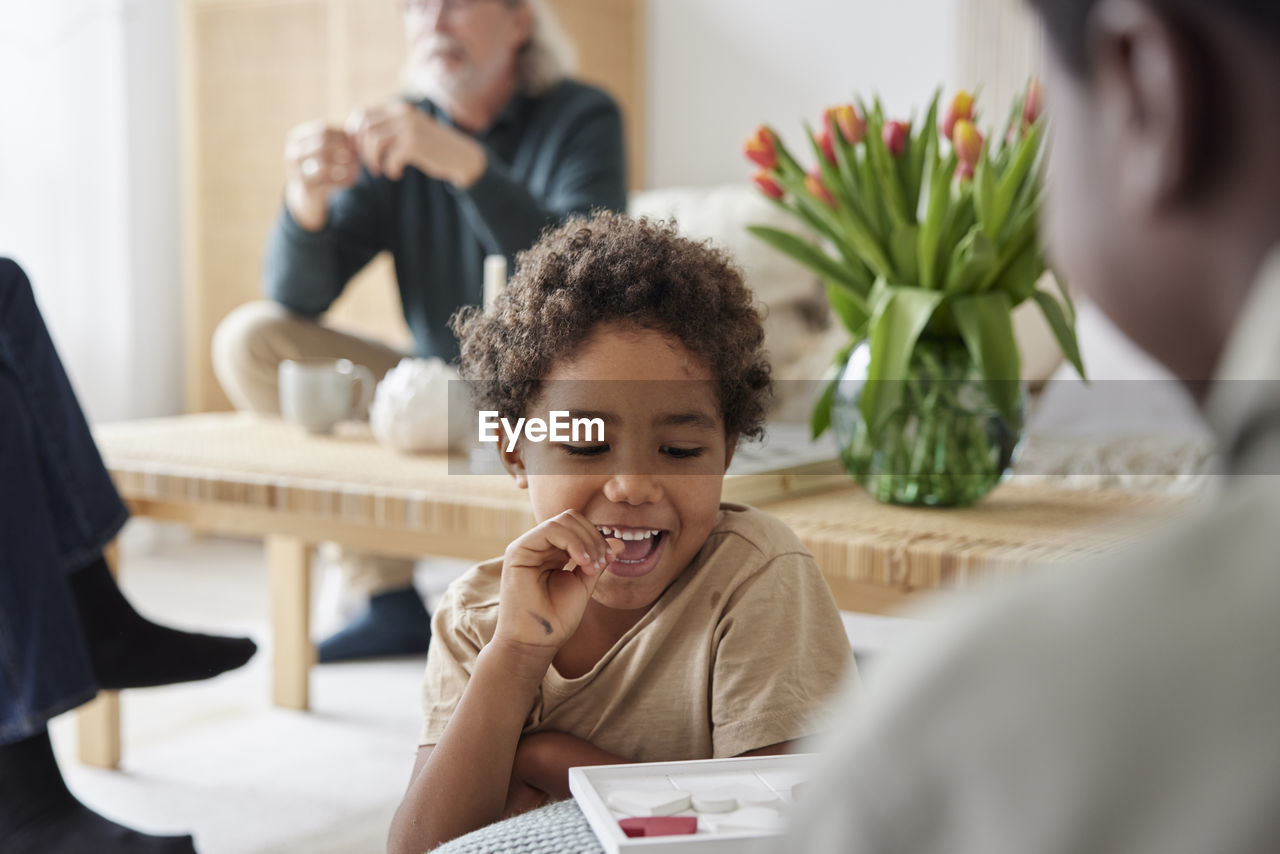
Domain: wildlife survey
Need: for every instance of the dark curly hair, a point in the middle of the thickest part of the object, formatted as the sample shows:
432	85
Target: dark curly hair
611	268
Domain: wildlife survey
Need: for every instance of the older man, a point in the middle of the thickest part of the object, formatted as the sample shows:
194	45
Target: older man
1129	706
500	146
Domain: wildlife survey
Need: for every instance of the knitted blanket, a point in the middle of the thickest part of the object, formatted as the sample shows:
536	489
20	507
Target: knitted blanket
558	828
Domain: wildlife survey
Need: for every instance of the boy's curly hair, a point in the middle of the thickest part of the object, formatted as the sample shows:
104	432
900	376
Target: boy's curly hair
611	268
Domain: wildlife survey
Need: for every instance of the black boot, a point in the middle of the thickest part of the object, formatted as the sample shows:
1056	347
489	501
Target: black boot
129	651
39	815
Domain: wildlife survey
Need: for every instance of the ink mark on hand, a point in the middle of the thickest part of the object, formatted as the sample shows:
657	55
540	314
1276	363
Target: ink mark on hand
542	621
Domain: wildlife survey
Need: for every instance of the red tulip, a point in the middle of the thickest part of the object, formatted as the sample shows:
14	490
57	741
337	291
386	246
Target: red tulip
851	125
762	148
895	137
967	142
964	170
768	186
828	147
961	107
813	183
1033	104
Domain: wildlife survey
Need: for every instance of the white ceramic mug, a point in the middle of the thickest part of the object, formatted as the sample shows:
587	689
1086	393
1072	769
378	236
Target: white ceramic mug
316	395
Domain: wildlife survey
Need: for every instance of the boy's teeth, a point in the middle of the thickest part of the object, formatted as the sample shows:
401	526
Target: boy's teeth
626	535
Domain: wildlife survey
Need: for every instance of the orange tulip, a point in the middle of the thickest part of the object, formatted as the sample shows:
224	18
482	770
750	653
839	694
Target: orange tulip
768	186
762	148
828	147
813	183
895	137
967	142
961	107
845	118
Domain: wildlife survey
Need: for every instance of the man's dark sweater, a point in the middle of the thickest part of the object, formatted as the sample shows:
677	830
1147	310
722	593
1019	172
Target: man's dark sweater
548	158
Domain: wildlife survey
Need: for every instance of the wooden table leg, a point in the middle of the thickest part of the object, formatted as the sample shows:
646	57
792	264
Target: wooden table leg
289	566
98	721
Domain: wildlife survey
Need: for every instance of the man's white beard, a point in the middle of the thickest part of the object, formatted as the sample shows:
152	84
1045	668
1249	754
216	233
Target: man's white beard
425	78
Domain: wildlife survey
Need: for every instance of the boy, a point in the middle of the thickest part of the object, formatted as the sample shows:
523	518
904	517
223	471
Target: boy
640	619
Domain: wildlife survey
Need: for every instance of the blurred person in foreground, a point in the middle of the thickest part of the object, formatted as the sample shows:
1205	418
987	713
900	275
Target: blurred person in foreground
1128	706
66	630
500	145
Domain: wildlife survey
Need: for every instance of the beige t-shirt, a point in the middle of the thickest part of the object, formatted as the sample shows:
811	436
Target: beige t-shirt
740	652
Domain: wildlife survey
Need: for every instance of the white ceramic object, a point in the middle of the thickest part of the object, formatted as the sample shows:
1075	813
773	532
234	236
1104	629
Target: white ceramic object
640	802
713	801
318	394
411	408
748	820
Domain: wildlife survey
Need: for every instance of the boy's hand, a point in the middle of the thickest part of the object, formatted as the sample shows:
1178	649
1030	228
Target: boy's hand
547	578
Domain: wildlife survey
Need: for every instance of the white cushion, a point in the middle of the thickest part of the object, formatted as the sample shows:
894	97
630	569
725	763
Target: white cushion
722	214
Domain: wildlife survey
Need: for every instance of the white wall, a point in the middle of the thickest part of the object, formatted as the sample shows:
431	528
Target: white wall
719	68
88	198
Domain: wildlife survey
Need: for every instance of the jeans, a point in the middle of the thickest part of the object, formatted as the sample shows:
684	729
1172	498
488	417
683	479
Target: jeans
58	509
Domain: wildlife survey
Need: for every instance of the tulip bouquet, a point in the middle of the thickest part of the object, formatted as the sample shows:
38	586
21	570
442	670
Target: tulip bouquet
929	238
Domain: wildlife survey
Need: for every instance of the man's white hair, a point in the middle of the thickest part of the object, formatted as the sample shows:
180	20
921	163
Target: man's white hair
548	57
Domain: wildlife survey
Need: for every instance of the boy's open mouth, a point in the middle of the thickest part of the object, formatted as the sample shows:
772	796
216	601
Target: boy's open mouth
641	549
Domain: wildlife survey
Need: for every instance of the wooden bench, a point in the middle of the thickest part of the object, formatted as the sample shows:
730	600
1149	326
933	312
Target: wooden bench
262	478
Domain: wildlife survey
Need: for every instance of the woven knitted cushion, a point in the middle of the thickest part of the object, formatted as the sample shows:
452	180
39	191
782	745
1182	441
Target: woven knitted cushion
558	828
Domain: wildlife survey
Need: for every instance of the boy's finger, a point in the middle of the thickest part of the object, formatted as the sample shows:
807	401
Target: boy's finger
592	537
566	539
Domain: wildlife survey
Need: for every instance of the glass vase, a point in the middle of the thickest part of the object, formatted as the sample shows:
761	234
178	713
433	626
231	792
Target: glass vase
944	444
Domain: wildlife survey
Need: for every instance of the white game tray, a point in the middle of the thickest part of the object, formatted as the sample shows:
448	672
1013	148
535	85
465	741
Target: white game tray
754	783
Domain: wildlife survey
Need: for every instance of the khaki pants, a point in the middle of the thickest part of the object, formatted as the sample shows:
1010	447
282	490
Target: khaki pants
249	346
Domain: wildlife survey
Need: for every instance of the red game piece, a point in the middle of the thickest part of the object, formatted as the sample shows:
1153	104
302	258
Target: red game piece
660	825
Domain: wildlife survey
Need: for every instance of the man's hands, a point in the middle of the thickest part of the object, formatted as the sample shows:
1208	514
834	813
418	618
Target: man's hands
392	136
387	139
317	160
548	575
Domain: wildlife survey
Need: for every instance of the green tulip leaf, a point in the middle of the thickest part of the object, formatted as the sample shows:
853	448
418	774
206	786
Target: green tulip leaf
984	191
972	260
1063	329
986	325
898	316
820	420
924	149
1013	180
886	172
809	255
1018	278
934	219
849	307
1018	266
1065	293
904	248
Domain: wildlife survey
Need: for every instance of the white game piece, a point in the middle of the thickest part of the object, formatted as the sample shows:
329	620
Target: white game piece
713	801
754	796
638	802
748	820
